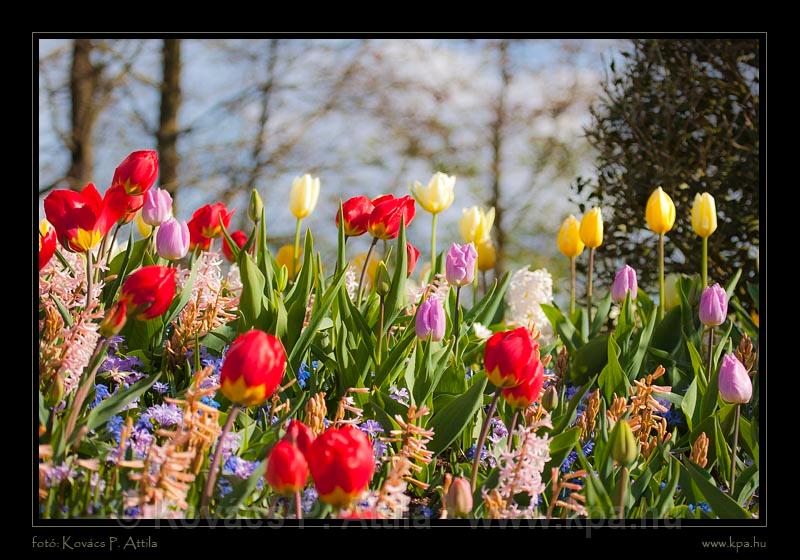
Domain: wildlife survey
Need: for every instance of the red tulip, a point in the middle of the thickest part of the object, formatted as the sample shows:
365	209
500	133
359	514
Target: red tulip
287	469
530	389
132	203
384	222
204	225
300	435
47	243
81	219
507	355
253	368
342	464
356	212
413	254
239	237
149	291
137	173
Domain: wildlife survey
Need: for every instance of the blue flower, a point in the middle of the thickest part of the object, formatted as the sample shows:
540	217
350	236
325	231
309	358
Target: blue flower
114	426
426	512
485	457
132	511
587	449
163	414
114	342
469	373
224	487
371	427
239	467
100	393
499	430
399	395
309	499
160	388
305	372
208	401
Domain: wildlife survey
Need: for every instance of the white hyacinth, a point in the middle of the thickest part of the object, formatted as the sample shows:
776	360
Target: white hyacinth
480	331
527	290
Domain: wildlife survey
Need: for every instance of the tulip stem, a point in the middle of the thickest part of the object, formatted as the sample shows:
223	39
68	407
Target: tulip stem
457	321
483	283
296	252
215	460
589	285
88	280
622	490
433	246
709	374
298	505
572	286
735	445
511	430
661	287
380	333
83	390
482	439
704	270
364	270
111	245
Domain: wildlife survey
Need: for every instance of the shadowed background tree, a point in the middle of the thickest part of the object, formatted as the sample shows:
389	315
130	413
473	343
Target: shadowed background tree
683	115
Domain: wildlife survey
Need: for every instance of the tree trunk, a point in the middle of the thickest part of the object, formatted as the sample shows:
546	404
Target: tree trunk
167	134
83	80
497	154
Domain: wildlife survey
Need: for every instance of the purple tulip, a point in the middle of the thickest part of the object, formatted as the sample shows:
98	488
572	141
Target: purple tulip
713	306
430	319
460	264
157	207
624	281
734	383
172	240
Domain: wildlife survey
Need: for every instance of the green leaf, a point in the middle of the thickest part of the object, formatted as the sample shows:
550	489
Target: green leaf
449	421
251	300
722	504
487	307
186	294
396	298
730	287
589	360
601	314
561	324
691	404
746	484
62	310
563	421
665	499
112	405
635	365
394	359
560	446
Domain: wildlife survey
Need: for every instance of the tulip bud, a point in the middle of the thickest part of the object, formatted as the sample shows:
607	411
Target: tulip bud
143	228
172	239
624	281
507	356
438	195
300	435
157	207
569	238
114	320
660	212
487	255
550	398
591	231
304	195
476	224
713	306
412	255
342	463
256	207
253	368
55	393
460	264
624	448
459	497
704	215
285	257
137	173
734	383
382	282
430	320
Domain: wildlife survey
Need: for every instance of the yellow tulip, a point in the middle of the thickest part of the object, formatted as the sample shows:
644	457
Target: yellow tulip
660	212
285	257
704	215
754	317
592	228
438	195
487	255
476	224
569	238
304	195
144	229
